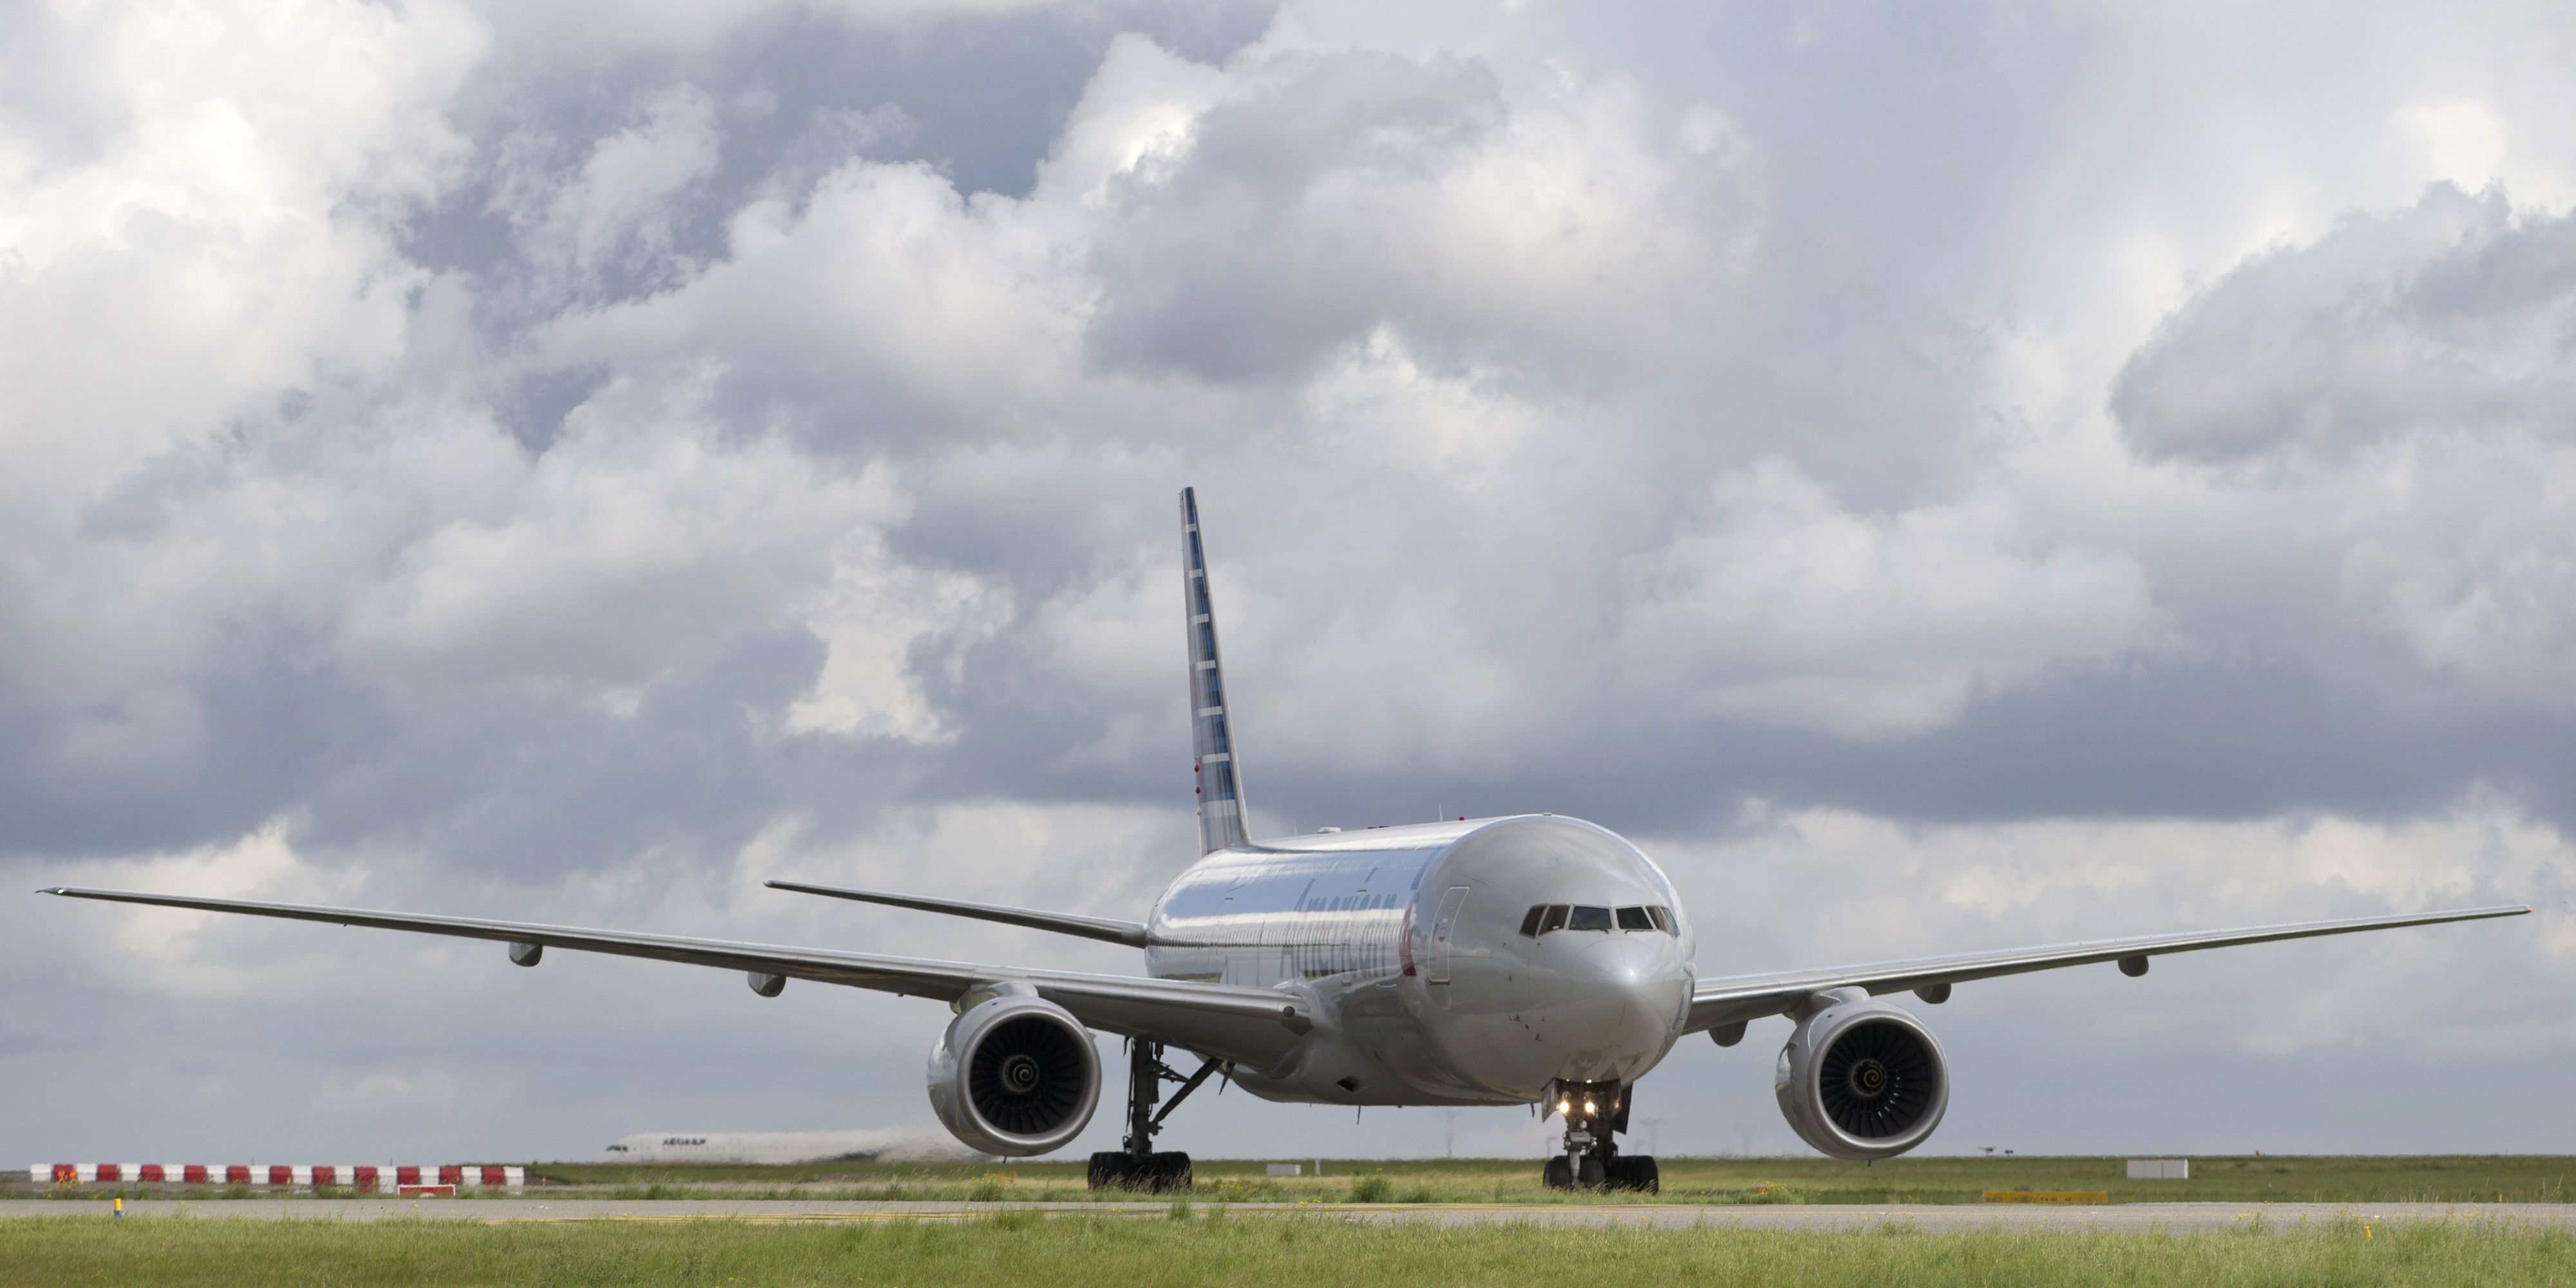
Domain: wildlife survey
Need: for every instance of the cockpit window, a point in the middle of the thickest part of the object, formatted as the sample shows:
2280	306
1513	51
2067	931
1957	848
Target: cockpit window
1546	917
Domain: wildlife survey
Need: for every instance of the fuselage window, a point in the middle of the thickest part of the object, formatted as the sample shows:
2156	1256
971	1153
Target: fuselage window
1589	919
1634	919
1529	924
1554	920
1663	919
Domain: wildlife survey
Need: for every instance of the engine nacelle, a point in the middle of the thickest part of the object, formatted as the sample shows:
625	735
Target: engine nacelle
1015	1075
1862	1079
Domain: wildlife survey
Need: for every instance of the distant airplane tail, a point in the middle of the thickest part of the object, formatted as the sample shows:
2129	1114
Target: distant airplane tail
1211	731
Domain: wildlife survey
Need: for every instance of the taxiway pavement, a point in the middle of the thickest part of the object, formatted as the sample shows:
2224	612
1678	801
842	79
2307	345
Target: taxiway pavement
2177	1218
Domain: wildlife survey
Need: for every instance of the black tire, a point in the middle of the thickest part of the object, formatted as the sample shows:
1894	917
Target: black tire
1592	1175
1170	1171
1558	1175
1108	1170
1636	1172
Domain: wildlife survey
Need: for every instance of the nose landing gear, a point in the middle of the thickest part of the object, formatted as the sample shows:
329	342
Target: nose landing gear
1595	1112
1139	1166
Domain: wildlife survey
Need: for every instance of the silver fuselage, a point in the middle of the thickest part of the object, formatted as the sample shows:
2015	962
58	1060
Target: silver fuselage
1408	942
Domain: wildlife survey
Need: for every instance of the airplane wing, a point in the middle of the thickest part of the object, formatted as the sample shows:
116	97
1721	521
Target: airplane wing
1130	933
1255	1027
1716	1003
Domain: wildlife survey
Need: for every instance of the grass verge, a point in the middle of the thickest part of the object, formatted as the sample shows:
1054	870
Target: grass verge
1202	1245
2516	1178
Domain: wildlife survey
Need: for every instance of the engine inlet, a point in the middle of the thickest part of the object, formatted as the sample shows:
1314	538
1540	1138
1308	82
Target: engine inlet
1028	1075
1877	1079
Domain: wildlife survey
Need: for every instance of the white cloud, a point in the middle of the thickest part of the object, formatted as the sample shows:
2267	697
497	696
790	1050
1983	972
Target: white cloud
2466	143
2444	315
2381	416
197	954
220	249
1344	192
885	283
1817	887
872	616
639	541
1378	406
1138	116
1778	606
619	207
225	242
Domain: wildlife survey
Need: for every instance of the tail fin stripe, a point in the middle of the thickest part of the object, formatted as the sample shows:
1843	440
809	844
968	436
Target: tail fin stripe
1219	788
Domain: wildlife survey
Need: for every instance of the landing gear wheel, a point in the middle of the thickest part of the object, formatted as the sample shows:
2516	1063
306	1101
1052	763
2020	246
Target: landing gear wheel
1595	1113
1116	1169
1139	1166
1635	1172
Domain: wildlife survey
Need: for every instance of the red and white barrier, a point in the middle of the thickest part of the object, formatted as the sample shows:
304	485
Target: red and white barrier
449	1178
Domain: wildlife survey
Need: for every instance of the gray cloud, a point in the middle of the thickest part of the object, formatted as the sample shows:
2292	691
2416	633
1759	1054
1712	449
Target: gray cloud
1321	196
2449	316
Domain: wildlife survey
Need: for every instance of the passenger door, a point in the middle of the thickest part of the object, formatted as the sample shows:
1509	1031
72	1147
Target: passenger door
1451	902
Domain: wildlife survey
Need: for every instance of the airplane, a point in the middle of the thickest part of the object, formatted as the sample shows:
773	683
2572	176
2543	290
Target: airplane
1530	959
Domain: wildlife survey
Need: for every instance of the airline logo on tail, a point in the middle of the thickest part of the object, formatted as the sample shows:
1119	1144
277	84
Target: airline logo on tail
1211	729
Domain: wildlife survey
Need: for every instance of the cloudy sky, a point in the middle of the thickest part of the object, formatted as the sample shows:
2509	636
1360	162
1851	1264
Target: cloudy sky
1939	478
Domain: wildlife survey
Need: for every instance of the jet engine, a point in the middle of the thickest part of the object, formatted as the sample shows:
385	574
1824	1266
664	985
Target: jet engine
1862	1079
1016	1075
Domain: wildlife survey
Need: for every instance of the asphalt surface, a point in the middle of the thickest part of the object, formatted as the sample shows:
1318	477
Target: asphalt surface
2177	1218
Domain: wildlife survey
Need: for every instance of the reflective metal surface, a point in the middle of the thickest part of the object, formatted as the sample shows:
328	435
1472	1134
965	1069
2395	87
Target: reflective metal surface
1409	941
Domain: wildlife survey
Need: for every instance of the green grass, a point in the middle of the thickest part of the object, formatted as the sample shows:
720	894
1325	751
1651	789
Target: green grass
1202	1245
2517	1178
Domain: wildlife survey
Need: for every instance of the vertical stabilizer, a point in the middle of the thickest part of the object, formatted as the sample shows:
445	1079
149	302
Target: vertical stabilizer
1211	730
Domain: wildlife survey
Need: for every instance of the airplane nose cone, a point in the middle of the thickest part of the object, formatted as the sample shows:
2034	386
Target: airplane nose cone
1633	990
1636	973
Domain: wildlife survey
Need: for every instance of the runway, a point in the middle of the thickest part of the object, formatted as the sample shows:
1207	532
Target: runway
2175	1218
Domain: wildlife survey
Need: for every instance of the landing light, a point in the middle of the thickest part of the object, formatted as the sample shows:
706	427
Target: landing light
1565	1106
1590	1108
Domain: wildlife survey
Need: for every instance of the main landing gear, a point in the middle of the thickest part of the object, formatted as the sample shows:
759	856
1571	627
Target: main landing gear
1594	1113
1138	1166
